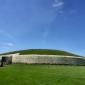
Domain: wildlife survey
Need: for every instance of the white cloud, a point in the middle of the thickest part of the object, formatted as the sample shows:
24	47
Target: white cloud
58	4
10	44
6	46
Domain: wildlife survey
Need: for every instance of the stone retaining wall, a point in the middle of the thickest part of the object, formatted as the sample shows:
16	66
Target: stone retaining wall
48	59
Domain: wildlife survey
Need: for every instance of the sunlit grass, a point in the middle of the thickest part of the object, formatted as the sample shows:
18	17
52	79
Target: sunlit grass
23	74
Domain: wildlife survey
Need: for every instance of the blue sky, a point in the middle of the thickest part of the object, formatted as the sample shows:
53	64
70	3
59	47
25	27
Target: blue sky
50	24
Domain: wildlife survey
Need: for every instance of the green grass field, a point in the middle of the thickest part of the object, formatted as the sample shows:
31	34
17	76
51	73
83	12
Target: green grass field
22	74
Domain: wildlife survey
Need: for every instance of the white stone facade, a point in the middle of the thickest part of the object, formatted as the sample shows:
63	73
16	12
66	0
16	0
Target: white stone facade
47	59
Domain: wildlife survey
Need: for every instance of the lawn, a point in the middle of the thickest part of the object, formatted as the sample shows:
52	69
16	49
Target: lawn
23	74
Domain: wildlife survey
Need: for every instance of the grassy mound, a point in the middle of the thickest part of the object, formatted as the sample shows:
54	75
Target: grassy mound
43	52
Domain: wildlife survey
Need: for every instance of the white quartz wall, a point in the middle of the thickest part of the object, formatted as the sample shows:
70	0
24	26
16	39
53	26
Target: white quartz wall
51	59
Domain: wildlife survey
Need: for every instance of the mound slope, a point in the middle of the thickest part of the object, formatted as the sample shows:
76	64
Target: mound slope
43	52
